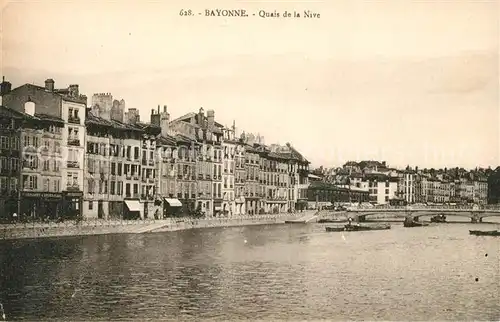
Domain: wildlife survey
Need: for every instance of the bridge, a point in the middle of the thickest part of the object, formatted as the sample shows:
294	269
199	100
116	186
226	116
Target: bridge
475	213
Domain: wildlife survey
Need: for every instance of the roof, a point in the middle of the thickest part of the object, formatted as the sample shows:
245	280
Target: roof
187	118
329	186
9	112
166	140
96	120
62	93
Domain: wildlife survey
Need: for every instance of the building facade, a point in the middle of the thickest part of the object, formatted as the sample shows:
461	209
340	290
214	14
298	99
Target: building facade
229	146
11	123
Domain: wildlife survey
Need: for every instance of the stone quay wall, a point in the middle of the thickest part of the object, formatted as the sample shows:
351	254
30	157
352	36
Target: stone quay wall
100	227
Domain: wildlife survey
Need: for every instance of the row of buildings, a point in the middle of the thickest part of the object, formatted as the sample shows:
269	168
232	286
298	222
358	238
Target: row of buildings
378	183
62	159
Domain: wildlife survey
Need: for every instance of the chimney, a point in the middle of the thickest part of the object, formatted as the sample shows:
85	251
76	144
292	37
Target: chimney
49	85
201	116
73	91
164	108
155	117
5	87
158	108
164	122
211	118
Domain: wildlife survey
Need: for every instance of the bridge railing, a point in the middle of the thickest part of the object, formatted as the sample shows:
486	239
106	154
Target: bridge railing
428	207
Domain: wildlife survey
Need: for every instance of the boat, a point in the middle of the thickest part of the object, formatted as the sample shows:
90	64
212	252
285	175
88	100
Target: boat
357	227
439	219
484	233
409	222
295	221
325	220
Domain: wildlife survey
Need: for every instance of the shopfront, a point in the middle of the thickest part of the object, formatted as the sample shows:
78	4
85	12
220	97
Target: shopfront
132	210
171	207
72	204
41	205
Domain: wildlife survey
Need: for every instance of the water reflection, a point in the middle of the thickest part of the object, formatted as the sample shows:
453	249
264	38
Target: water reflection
265	272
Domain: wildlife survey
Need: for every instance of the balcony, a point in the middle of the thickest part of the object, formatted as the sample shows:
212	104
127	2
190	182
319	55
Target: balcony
73	119
74	142
73	164
151	180
128	176
136	177
151	162
73	187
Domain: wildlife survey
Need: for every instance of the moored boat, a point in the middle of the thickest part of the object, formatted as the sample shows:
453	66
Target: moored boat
439	219
414	224
357	227
326	220
484	233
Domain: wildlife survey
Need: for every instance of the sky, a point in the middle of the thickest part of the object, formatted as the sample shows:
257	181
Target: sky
407	82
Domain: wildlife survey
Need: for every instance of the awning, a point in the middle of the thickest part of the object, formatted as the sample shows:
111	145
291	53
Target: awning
133	205
173	202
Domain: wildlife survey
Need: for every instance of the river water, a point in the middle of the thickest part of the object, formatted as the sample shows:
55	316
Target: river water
274	272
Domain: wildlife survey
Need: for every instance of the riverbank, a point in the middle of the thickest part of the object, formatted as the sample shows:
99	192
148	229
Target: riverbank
102	227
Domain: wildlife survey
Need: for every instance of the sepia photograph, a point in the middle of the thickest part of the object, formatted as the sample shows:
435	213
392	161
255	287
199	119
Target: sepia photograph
261	160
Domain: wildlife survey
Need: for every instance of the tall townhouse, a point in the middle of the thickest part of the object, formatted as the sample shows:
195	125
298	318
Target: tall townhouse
264	174
466	190
228	171
10	155
382	188
131	152
166	173
66	104
200	133
299	177
148	170
186	173
252	180
240	175
274	181
302	179
41	197
205	173
99	167
480	190
407	186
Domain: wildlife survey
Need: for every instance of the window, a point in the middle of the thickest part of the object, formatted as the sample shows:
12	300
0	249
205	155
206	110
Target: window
15	165
119	169
56	185
46	184
91	205
4	142
72	179
112	188
30	182
4	164
113	168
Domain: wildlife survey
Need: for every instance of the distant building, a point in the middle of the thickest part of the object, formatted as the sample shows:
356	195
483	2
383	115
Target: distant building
326	192
494	187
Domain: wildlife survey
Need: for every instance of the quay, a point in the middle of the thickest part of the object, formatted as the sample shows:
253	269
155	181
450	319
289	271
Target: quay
103	227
